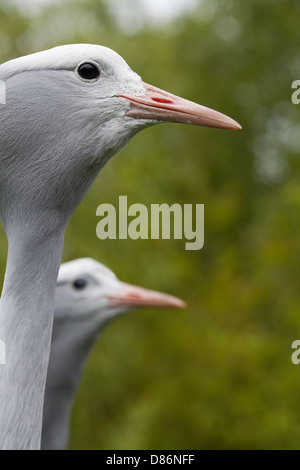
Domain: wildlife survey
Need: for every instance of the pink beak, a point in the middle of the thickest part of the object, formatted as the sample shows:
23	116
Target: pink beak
133	297
160	105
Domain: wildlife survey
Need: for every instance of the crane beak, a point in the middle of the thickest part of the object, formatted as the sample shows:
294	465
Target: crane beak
156	104
134	297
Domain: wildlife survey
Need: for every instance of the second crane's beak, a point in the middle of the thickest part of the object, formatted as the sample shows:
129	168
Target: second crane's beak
156	104
134	297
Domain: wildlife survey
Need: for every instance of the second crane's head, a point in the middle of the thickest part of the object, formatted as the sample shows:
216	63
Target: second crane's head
88	292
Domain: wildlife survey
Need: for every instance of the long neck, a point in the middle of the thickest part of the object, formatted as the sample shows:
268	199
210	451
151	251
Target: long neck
71	344
26	317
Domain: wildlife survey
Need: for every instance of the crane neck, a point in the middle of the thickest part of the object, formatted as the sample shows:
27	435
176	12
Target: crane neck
26	317
71	344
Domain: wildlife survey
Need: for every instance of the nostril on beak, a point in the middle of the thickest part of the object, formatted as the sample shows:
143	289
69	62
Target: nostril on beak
135	296
162	100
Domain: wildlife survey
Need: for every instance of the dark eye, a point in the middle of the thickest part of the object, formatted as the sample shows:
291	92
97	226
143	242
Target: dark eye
79	284
88	71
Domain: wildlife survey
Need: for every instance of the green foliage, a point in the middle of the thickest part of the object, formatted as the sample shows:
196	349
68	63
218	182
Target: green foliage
218	375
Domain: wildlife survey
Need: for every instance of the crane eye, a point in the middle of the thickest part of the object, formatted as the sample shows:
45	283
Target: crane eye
88	71
79	284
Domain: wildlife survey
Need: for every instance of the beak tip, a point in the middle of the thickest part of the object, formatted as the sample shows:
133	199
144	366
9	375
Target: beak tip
231	124
174	302
237	127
